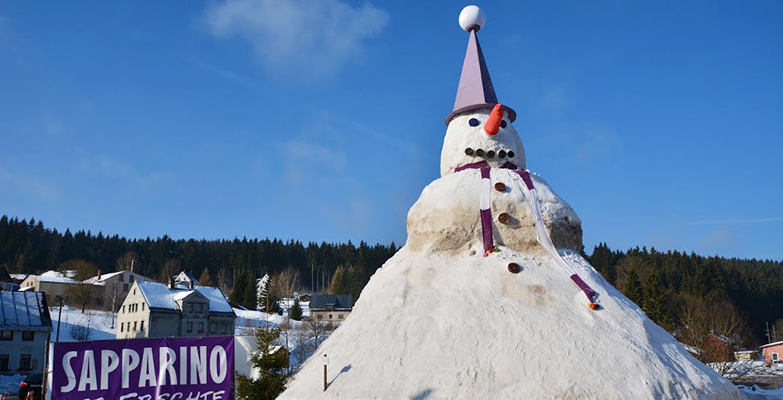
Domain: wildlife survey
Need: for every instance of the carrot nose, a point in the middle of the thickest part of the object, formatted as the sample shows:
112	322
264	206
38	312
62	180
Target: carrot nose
493	123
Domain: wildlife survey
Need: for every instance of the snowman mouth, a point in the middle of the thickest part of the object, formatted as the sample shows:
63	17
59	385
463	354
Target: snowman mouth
489	153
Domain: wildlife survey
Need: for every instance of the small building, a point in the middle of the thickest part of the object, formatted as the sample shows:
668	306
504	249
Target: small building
116	286
25	326
185	280
330	307
7	280
58	286
152	309
745	355
773	353
717	348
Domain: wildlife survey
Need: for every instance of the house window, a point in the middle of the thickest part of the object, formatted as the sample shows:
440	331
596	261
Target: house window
199	307
142	306
142	325
124	287
122	278
320	316
7	335
224	328
213	327
340	316
123	309
130	278
122	327
190	327
24	362
200	327
134	291
4	362
28	336
190	307
775	357
134	326
330	316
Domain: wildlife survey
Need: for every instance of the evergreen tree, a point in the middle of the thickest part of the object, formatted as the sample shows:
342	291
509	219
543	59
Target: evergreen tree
238	292
271	381
249	298
656	301
296	311
633	288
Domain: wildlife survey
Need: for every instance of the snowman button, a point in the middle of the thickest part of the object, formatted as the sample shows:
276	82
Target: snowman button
504	218
479	152
502	154
511	154
491	153
468	151
500	187
513	268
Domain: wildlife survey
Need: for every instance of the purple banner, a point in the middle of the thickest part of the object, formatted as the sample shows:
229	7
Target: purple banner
144	369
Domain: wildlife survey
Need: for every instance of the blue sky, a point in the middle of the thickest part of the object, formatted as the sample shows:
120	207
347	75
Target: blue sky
661	123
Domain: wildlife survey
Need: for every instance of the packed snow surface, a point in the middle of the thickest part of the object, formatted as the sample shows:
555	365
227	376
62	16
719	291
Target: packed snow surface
439	326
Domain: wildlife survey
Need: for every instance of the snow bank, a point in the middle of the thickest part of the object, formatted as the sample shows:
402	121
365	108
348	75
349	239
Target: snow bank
463	327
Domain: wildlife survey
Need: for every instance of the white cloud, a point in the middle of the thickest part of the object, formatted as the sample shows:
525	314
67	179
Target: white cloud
308	37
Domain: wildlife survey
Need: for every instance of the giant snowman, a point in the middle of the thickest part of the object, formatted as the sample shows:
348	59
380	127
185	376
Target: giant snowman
489	298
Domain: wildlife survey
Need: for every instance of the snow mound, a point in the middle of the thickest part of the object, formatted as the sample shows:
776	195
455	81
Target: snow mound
437	326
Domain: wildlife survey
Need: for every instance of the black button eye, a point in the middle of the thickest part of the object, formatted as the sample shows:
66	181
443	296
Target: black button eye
503	124
473	122
511	154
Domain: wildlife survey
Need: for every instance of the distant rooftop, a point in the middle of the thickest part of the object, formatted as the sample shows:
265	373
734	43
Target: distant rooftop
161	296
23	310
58	277
333	301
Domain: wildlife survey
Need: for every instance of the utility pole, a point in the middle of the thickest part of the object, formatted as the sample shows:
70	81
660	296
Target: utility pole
59	319
768	338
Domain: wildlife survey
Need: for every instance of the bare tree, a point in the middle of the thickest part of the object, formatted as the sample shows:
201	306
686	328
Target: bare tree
716	329
315	329
285	283
225	280
82	332
169	270
126	261
81	294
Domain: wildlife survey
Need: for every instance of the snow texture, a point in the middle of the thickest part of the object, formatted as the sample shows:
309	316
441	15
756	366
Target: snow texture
439	321
58	277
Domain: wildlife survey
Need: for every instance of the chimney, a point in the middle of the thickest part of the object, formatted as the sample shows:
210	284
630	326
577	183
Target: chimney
190	283
99	274
171	283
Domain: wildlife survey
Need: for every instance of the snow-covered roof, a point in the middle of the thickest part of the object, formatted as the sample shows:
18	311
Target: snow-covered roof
58	277
161	296
102	278
19	277
23	309
771	344
335	301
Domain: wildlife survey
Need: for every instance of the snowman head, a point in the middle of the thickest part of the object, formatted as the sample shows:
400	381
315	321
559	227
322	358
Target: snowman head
481	135
479	129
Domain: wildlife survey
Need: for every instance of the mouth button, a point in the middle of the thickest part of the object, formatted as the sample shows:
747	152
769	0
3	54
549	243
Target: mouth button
502	154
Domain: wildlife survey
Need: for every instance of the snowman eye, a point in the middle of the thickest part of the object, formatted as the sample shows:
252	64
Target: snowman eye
503	124
473	122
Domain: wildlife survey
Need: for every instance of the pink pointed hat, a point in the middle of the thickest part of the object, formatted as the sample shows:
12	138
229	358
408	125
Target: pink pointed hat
475	90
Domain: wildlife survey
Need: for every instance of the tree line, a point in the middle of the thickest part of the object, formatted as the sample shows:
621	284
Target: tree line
675	289
29	247
668	286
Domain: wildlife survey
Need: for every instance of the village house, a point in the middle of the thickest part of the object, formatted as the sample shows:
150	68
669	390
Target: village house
185	279
25	326
153	309
773	353
116	286
59	286
330	307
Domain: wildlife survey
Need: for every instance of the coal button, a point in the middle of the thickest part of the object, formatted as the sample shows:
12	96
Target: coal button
500	187
491	153
468	151
513	268
511	154
479	152
504	218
